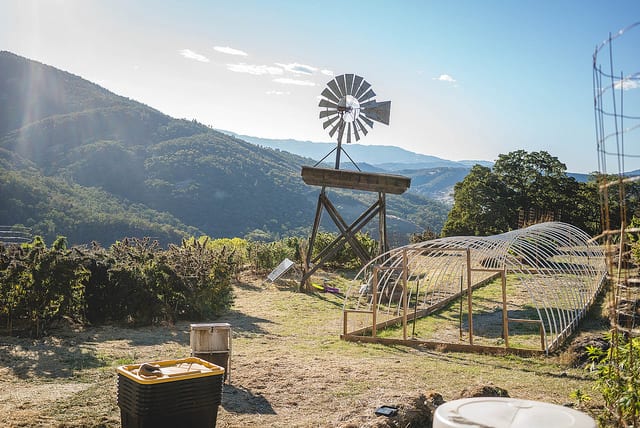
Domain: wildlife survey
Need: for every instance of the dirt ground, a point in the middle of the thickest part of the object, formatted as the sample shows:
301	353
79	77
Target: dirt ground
288	368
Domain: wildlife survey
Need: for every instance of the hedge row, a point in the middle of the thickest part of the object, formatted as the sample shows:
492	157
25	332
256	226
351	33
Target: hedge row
134	281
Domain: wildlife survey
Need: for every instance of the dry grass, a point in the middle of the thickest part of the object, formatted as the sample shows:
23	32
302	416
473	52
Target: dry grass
289	368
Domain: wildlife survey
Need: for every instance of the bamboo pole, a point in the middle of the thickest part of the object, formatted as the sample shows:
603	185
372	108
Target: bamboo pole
405	264
469	297
374	304
505	317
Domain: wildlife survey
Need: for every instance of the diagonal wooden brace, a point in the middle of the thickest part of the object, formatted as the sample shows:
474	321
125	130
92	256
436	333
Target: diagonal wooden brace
347	234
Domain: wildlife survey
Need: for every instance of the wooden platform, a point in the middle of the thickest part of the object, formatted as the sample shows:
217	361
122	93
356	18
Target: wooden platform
356	180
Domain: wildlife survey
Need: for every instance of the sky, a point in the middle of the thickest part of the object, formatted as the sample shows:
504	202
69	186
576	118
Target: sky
466	79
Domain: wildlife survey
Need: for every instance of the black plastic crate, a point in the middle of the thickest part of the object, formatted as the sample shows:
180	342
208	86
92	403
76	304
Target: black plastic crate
205	417
182	393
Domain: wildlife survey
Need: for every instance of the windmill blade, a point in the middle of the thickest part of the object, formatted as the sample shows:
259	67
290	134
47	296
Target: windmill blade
357	80
327	113
366	120
379	112
362	127
368	95
348	132
336	127
363	88
328	122
328	94
349	79
328	104
334	87
370	103
355	130
342	84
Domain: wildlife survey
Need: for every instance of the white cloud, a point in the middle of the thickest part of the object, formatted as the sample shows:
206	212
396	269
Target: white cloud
327	72
255	69
189	54
286	81
445	78
274	92
229	51
627	84
298	68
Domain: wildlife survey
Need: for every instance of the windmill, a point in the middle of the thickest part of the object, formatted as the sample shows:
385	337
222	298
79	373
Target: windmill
349	110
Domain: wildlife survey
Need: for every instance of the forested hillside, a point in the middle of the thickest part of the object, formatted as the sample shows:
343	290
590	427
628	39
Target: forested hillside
79	161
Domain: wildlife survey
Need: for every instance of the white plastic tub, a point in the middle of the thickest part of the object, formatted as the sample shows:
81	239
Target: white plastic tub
508	413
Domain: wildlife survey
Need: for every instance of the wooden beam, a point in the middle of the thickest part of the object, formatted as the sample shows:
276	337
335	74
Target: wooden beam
355	180
444	346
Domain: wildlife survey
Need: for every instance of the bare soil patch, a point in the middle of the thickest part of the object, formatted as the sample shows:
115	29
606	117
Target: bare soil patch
288	368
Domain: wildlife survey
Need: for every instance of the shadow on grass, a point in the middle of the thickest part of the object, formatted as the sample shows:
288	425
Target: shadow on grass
247	285
28	358
241	400
335	299
244	324
518	364
65	352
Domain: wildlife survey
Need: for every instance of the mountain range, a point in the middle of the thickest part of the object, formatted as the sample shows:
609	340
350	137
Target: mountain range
374	155
431	176
80	161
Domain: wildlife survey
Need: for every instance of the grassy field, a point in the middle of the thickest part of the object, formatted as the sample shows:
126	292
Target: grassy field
288	368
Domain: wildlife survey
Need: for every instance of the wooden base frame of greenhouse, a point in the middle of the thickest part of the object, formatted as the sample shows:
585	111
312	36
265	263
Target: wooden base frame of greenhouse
443	346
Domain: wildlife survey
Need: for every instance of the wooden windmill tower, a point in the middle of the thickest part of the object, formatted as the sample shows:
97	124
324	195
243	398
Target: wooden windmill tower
348	107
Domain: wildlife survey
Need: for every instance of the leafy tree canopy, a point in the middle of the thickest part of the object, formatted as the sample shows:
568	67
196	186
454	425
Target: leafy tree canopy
522	188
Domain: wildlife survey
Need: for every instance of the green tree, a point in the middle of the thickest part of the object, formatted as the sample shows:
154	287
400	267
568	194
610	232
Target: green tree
538	186
426	235
480	205
522	188
584	206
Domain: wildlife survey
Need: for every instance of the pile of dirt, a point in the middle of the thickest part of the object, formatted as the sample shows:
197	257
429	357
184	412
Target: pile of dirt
578	349
484	391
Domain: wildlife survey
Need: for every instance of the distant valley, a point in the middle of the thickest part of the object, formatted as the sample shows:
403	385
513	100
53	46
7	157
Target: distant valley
430	176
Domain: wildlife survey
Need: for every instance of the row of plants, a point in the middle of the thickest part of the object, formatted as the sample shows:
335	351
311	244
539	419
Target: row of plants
135	280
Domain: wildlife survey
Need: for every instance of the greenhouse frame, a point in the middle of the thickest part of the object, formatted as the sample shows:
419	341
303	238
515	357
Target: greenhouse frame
522	291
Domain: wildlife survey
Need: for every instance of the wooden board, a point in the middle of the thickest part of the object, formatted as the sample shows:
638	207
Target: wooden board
355	180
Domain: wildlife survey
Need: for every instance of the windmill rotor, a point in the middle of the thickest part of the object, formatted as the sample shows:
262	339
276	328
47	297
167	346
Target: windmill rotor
348	107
